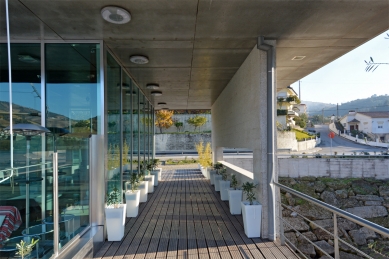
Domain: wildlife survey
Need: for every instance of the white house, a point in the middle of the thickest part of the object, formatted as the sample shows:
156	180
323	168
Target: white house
376	123
286	99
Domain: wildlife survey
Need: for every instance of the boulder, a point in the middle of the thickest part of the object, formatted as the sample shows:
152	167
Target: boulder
341	194
330	198
313	212
369	198
291	236
373	203
346	224
358	237
302	239
382	221
319	186
295	223
323	235
369	234
345	255
307	249
323	245
383	190
325	223
338	184
349	203
306	189
363	187
367	212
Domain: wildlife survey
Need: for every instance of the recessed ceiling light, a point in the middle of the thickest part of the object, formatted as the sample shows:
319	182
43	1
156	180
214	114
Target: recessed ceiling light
298	57
152	86
130	93
161	103
156	93
139	59
115	15
125	86
28	59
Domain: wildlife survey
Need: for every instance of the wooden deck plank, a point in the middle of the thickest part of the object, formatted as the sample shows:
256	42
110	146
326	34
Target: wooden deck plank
185	218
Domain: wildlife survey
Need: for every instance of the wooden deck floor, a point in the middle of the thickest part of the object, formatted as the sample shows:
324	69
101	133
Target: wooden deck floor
185	218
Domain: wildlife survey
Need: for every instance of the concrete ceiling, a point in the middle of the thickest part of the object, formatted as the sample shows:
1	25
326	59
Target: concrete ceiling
196	46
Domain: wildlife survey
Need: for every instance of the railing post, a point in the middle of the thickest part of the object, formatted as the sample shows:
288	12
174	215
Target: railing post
55	204
282	237
336	241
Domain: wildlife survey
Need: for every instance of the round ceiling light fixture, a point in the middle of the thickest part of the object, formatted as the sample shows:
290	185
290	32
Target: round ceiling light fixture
156	93
152	86
139	59
165	108
116	15
130	93
161	103
125	86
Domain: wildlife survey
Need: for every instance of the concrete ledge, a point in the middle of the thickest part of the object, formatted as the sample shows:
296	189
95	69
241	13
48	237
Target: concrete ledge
238	169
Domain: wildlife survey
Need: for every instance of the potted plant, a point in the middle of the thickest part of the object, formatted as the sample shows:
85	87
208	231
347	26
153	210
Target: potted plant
150	179
251	212
216	167
24	248
156	168
224	185
216	179
115	215
133	197
235	197
151	166
143	187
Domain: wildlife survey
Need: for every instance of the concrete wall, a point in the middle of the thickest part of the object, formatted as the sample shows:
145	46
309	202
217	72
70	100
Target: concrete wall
287	140
239	117
334	167
180	142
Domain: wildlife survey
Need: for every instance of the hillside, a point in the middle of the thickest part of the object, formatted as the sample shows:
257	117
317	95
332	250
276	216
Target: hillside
373	103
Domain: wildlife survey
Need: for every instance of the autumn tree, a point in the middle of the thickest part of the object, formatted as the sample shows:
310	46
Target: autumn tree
163	119
178	125
197	121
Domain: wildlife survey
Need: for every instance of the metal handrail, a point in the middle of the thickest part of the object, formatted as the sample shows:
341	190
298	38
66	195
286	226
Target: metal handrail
18	168
363	222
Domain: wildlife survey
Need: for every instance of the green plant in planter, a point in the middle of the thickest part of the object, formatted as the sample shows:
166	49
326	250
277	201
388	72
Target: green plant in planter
223	172
134	181
25	248
248	189
234	182
113	198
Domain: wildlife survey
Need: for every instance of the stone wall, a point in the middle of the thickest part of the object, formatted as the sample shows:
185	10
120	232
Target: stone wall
179	142
367	198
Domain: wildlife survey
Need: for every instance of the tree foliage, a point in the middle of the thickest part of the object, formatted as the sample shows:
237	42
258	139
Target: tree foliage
147	121
178	125
163	119
196	121
301	120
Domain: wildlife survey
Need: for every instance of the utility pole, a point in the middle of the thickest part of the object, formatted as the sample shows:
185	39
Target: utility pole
322	116
299	91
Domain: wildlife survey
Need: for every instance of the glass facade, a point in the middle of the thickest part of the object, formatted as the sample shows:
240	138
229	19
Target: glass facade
62	97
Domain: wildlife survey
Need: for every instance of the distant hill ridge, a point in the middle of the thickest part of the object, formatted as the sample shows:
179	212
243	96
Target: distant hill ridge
370	104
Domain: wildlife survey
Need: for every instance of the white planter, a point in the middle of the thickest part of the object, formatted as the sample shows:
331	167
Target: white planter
150	179
216	181
199	166
251	215
143	187
115	220
211	176
159	174
207	173
224	187
234	200
132	202
155	174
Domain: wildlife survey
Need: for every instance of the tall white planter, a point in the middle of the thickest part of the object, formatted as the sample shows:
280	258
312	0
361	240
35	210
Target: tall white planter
234	200
224	187
251	215
155	174
143	188
211	176
132	203
115	219
159	174
216	180
150	179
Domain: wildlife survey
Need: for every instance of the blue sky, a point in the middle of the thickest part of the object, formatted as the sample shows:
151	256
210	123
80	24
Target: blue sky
345	79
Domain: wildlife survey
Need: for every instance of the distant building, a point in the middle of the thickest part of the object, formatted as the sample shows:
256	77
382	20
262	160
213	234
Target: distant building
375	123
286	109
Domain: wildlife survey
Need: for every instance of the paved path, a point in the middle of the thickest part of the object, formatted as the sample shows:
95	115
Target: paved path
185	218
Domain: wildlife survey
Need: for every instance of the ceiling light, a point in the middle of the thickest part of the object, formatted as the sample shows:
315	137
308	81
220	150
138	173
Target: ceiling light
165	108
298	57
156	93
152	86
115	15
28	59
124	85
139	59
130	93
162	103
